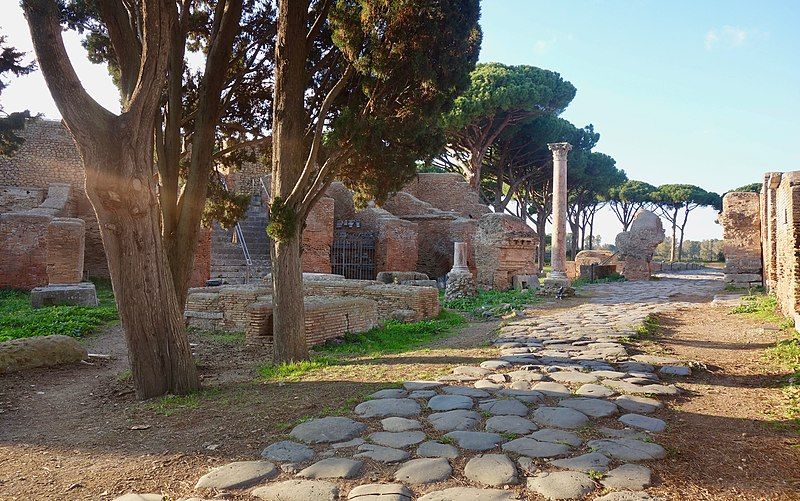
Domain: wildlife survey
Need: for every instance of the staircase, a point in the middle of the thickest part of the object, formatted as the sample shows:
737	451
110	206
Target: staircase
228	260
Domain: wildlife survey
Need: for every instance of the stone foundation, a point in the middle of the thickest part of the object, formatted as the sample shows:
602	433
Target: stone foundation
460	285
80	294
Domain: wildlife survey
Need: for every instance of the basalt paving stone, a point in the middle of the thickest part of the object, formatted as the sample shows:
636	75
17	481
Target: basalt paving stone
559	417
526	375
330	429
493	470
238	475
400	407
527	396
654	425
594	390
289	451
605	374
433	449
675	370
485	384
397	440
624	433
626	449
421	385
381	453
468	370
349	444
592	461
422	394
497	378
510	424
638	404
572	377
495	364
380	492
593	407
561	484
557	437
636	367
628	496
465	391
511	407
468	494
655	360
298	490
550	389
518	359
475	440
461	419
424	471
332	468
389	393
400	424
442	403
534	448
631	477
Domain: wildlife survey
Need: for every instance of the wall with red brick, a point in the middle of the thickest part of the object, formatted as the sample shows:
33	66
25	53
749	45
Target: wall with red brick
318	237
741	227
201	269
23	260
787	243
449	192
65	249
396	245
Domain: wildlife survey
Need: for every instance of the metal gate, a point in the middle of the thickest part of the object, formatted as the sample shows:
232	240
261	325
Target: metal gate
353	251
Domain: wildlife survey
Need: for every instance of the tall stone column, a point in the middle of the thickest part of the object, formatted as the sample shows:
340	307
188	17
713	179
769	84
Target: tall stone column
558	259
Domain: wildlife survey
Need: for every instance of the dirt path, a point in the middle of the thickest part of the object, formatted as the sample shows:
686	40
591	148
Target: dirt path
727	437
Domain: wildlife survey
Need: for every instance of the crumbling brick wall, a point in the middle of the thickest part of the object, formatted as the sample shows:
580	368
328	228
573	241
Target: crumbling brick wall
447	191
48	156
769	219
318	237
23	260
65	249
741	226
504	247
787	243
19	198
396	245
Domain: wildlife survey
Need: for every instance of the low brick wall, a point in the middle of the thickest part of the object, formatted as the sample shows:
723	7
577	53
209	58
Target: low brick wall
23	260
741	226
424	301
65	247
325	318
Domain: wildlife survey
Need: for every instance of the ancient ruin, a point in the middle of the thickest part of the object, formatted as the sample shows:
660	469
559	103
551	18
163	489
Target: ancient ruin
557	278
636	246
741	223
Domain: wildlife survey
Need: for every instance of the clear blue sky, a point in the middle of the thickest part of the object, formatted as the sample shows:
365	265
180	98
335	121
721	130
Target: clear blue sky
701	92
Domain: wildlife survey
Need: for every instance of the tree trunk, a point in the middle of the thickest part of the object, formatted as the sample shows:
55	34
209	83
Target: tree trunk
674	225
541	222
475	166
574	243
125	202
288	159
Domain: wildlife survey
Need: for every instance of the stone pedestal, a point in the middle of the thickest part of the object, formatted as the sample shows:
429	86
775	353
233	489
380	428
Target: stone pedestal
558	276
80	294
460	258
460	285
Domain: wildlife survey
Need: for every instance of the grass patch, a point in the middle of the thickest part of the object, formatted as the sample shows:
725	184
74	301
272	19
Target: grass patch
762	307
394	337
19	320
648	329
294	370
495	302
222	337
169	405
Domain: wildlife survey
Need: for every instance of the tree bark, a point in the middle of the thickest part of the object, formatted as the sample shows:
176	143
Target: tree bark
288	160
541	222
674	226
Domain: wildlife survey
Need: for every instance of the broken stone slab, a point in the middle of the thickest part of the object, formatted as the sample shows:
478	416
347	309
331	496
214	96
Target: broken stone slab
81	294
493	470
527	396
288	451
593	407
631	477
332	468
422	394
594	390
381	454
561	484
238	475
467	392
421	385
535	449
573	377
424	471
349	444
495	364
550	389
485	384
460	419
510	424
384	407
327	430
557	437
654	425
675	370
380	492
626	449
40	351
475	440
397	440
298	490
468	494
504	407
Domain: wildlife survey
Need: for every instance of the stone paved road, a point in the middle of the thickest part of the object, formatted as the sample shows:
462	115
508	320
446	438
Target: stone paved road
564	412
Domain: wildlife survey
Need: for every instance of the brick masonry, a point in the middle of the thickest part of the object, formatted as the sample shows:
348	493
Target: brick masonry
318	237
741	226
65	249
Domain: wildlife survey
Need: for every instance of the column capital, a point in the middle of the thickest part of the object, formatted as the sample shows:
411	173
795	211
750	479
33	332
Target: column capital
559	150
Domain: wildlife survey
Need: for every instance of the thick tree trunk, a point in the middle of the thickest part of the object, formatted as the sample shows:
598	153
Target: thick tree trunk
541	222
473	176
674	226
574	242
288	159
124	199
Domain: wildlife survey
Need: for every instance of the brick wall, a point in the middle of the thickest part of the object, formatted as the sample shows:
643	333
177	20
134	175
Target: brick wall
741	226
504	246
787	243
23	260
47	156
449	192
318	237
396	245
65	250
19	198
769	228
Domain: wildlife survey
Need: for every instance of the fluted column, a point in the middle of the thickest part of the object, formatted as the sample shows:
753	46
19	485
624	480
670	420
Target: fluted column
558	257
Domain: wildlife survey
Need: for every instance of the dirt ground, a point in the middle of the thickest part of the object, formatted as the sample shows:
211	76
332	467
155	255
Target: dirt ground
78	432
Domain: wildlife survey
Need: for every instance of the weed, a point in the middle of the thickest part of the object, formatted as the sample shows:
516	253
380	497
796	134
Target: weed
125	375
18	319
447	440
614	277
495	302
173	404
762	307
509	436
292	371
648	329
595	475
222	337
486	414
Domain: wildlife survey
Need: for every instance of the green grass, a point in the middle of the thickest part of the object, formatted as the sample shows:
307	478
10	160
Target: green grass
169	405
496	302
19	320
222	337
393	337
762	307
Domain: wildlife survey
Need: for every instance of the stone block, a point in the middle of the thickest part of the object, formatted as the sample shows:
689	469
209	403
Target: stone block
65	249
420	283
739	278
460	285
42	351
80	294
525	282
396	277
